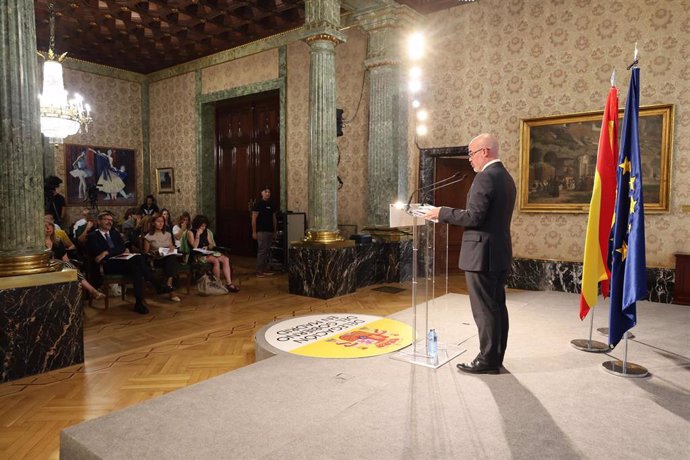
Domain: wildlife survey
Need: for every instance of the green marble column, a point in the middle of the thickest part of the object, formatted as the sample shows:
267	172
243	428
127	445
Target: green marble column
388	109
322	21
22	249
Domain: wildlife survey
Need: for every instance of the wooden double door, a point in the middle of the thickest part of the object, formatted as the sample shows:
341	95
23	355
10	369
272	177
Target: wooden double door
453	196
247	160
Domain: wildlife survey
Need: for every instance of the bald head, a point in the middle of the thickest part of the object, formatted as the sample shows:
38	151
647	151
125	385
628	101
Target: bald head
483	149
485	141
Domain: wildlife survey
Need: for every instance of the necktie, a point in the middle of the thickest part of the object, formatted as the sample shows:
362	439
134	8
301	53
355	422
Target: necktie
109	241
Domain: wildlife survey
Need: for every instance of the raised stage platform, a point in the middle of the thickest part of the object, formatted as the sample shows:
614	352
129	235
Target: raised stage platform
552	401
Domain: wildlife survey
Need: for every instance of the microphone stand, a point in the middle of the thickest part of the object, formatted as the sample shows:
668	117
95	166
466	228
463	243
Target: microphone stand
430	187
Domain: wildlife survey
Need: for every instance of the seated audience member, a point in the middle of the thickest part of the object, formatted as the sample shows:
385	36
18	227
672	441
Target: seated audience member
105	244
50	218
201	237
82	232
157	238
59	253
85	216
149	207
134	241
181	227
60	233
168	220
132	218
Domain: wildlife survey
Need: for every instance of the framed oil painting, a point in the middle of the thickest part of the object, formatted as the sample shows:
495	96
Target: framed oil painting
100	175
165	180
558	158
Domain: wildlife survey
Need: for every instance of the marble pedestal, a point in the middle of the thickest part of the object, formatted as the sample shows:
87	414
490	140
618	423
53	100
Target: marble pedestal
325	273
41	324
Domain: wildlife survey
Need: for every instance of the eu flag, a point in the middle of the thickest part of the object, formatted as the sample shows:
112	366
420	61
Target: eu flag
628	271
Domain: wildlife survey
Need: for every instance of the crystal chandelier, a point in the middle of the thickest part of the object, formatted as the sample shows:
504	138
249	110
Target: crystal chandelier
59	117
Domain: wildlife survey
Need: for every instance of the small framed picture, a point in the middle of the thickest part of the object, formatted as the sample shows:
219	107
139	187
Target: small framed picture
165	180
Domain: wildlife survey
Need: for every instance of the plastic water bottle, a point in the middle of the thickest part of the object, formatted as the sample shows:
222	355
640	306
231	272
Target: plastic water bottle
432	344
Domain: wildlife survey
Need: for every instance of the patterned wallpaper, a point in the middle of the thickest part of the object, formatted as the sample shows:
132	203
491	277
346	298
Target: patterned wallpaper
352	199
116	122
498	61
173	142
233	74
353	145
297	126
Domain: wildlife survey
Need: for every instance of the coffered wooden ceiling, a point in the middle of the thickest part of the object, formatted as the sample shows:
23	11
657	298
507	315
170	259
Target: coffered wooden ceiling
145	36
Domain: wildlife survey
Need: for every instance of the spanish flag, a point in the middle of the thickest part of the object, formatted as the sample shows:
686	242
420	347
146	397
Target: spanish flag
595	266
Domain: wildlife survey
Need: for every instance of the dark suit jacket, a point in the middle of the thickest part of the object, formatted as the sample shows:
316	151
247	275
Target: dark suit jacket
486	243
96	243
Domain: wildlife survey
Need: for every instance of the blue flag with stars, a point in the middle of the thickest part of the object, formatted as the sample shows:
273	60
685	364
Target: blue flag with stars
628	271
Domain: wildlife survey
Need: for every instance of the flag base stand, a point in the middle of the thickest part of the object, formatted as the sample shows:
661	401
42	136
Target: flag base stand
416	354
623	369
591	346
605	331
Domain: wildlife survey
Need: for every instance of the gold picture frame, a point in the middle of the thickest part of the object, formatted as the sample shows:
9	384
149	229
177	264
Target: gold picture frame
558	157
165	180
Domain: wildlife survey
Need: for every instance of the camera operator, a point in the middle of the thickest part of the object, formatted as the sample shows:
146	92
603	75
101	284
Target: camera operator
54	202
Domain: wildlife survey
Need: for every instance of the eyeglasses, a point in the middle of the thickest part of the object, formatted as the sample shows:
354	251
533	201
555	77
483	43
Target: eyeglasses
471	154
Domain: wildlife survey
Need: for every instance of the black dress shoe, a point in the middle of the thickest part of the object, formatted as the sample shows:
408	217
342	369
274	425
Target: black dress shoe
164	289
141	308
477	367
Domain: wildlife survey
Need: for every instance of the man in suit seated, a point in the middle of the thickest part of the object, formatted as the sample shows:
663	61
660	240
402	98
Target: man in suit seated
105	244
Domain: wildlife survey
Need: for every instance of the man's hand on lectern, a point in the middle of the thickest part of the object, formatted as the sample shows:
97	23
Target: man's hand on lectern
432	214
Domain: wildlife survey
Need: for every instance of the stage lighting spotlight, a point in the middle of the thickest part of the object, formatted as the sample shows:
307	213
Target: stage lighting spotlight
415	73
422	115
422	130
414	86
416	104
415	46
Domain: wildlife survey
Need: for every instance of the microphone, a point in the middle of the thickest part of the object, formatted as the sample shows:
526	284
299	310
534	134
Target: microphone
424	208
430	187
464	176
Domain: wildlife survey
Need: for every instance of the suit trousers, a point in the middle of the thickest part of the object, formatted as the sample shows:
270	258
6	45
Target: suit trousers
135	267
488	301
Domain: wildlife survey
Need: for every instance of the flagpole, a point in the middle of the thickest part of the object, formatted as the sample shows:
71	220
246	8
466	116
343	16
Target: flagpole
628	281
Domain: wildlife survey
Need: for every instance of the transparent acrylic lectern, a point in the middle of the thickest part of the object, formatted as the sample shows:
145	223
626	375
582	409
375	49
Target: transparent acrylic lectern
423	287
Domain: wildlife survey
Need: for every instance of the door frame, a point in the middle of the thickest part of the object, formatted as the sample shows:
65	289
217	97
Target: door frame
427	162
206	135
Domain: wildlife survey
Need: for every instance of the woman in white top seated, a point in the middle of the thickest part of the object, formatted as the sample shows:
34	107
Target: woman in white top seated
181	227
201	237
155	240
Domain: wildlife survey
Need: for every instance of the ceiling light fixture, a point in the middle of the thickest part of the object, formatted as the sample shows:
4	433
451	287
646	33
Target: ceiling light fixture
59	117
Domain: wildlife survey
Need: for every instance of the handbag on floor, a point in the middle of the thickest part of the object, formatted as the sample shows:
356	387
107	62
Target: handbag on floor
208	285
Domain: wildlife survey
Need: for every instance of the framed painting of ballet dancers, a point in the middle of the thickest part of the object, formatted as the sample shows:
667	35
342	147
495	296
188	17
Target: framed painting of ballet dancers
100	175
165	180
558	159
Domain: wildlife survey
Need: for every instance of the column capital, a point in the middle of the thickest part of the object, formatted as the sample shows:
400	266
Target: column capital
396	16
386	28
323	34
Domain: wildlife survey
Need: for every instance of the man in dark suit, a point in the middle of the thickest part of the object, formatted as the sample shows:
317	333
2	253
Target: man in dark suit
486	250
105	244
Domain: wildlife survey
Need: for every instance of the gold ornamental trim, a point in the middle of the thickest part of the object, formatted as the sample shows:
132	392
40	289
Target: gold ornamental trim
29	264
324	239
39	279
326	37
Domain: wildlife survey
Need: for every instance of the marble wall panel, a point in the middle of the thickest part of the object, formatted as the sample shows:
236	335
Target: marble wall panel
554	275
41	329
